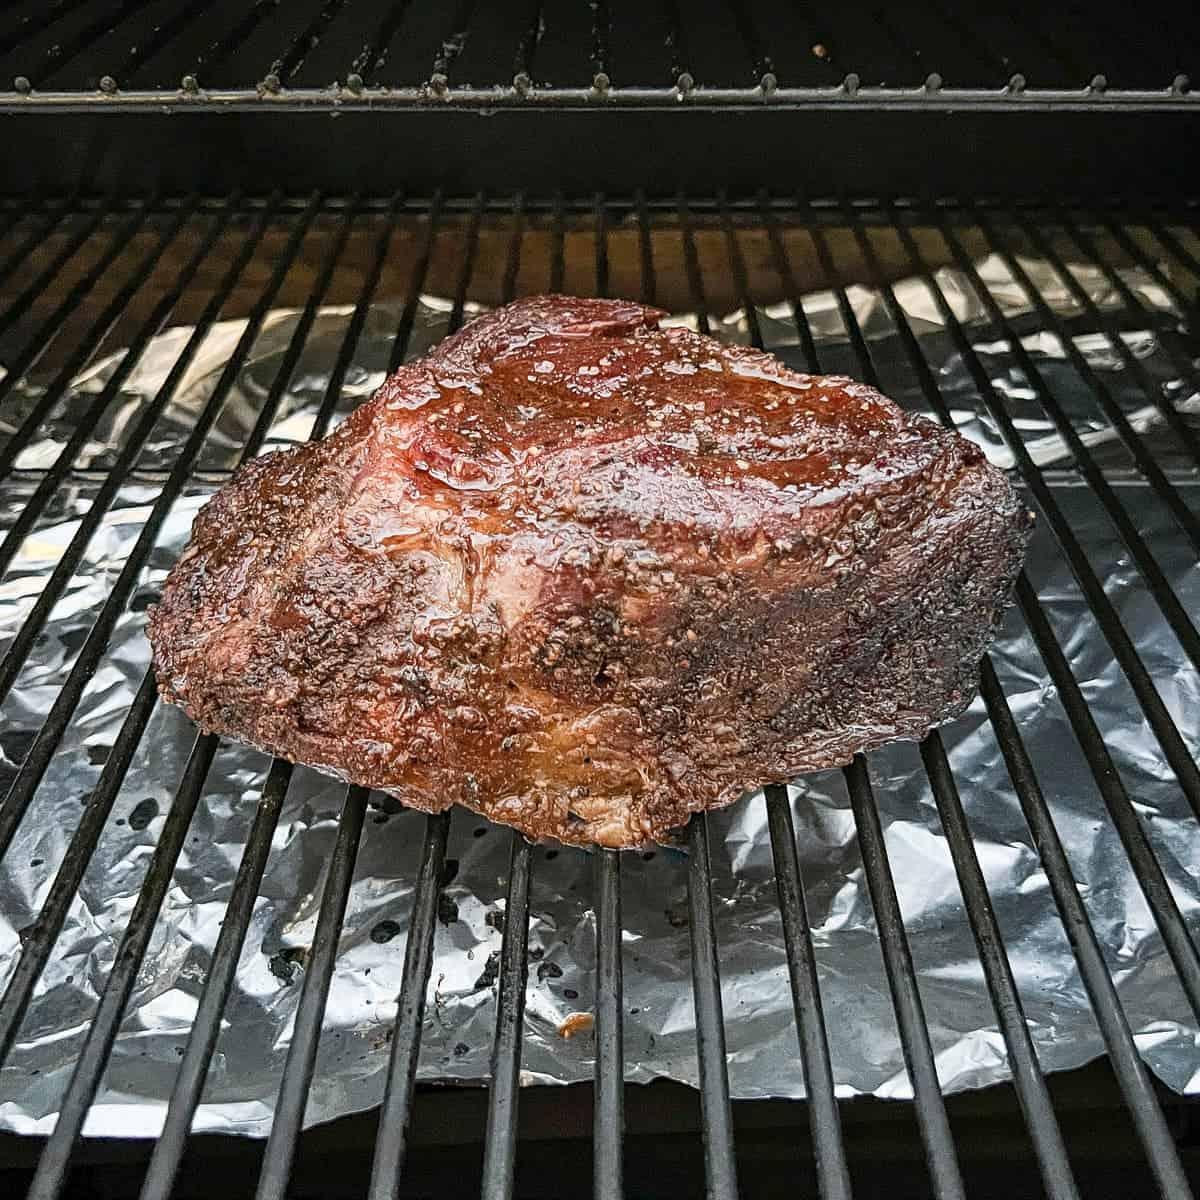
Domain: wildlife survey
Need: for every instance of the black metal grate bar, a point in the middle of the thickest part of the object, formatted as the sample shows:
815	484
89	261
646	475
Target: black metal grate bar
420	271
391	1140
220	50
527	45
832	1171
1151	471
48	737
306	1031
283	68
697	220
171	1144
62	381
1149	875
600	215
34	23
1040	1118
1163	594
41	936
692	263
512	265
102	1031
677	48
500	1146
608	1121
40	341
206	1025
452	46
1157	715
558	266
906	999
649	281
720	1164
1183	362
468	262
902	980
1131	1074
161	36
43	221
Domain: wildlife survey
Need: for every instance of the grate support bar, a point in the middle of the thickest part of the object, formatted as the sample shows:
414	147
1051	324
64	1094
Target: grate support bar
906	995
1169	495
40	939
609	1120
102	1032
720	1163
1151	572
391	1140
1127	1065
1157	715
500	1145
1146	868
40	342
30	773
87	422
206	1025
306	1032
833	1173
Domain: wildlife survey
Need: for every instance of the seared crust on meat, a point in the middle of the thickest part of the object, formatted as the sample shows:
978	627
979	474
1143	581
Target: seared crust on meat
586	577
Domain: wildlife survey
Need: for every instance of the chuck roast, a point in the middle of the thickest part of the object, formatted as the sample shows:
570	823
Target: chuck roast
587	576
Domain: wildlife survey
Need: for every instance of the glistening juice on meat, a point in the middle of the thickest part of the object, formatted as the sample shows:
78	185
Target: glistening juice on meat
587	576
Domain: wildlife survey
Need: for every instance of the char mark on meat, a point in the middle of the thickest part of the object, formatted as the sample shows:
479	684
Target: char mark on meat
588	576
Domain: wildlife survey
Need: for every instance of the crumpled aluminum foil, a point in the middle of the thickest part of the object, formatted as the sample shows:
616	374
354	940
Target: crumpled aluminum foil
761	1037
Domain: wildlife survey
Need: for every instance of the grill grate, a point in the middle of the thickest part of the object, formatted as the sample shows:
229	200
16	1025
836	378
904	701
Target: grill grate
664	252
708	51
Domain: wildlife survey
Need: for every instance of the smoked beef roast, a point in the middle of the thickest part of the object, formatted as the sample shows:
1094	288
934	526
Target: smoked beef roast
587	576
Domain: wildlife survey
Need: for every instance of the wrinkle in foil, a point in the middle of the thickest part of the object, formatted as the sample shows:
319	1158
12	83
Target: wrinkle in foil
659	1019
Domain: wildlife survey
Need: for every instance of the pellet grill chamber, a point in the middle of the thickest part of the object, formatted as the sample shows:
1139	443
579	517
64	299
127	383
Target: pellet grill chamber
175	164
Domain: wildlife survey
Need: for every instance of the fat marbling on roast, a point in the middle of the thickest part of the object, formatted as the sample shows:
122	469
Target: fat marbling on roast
587	576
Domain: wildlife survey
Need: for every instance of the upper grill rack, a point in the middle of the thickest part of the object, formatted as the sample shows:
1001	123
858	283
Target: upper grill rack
84	255
710	52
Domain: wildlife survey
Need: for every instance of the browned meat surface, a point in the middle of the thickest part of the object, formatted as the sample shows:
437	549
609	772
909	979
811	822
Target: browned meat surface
586	577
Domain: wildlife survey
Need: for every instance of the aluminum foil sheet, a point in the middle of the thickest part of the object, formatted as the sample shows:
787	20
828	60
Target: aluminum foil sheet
659	1021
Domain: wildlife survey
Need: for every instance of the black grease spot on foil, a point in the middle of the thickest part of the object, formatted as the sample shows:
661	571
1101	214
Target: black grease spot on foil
491	969
72	640
384	931
144	813
16	743
287	962
143	600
